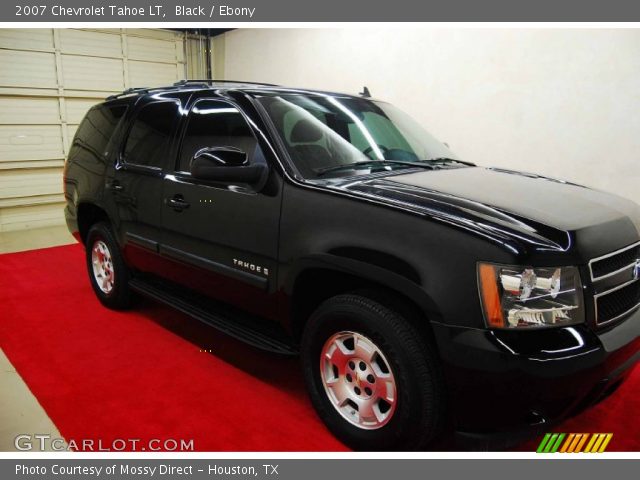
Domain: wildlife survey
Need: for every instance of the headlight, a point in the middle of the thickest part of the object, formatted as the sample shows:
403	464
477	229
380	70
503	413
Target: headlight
522	297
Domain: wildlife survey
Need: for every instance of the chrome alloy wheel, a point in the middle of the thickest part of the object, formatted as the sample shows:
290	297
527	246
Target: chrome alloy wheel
358	380
102	266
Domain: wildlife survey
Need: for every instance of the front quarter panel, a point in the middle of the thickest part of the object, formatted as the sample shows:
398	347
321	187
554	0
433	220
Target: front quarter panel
442	258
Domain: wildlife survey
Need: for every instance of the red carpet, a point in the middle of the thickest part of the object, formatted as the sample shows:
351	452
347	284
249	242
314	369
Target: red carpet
105	375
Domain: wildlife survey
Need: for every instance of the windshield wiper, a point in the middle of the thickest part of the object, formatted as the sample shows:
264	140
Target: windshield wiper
448	160
371	163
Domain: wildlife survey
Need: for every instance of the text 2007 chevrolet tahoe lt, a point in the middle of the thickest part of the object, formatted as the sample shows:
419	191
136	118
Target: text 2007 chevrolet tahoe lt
424	294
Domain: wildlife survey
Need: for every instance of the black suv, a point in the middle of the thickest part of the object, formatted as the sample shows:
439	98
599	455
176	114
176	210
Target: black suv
424	293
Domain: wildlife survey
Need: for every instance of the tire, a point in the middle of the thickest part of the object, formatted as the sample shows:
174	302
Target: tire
404	369
108	273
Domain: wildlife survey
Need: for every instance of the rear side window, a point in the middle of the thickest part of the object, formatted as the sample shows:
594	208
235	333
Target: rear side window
148	140
215	123
96	130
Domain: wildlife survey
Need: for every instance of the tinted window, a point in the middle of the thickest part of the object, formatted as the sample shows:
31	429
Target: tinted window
148	140
214	123
96	130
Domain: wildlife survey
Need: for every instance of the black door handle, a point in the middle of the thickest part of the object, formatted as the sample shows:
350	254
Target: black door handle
178	203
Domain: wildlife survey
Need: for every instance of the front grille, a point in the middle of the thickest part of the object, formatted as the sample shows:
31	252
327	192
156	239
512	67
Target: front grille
606	265
616	282
612	306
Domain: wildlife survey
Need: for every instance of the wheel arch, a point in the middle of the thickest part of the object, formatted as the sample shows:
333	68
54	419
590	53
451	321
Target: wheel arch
317	278
88	213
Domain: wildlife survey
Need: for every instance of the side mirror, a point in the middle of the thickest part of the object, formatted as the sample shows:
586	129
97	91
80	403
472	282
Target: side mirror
225	164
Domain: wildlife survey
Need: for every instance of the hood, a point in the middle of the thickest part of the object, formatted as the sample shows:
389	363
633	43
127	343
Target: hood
513	207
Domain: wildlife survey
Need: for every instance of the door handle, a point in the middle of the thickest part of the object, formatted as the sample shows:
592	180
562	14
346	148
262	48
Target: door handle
115	186
177	203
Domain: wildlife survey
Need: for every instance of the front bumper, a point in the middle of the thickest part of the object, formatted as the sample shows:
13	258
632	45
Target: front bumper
514	381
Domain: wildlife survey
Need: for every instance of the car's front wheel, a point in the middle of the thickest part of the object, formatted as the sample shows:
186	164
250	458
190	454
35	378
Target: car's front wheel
372	377
108	273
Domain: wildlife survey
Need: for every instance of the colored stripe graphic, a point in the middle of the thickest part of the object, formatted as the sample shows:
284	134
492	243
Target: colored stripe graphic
581	442
556	445
604	445
600	443
574	443
543	443
577	438
591	442
550	443
567	443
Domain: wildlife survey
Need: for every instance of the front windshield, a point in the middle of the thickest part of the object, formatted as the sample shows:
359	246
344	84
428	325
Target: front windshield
324	133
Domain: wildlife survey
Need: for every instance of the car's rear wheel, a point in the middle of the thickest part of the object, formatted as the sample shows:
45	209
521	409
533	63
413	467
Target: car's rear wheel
108	273
372	377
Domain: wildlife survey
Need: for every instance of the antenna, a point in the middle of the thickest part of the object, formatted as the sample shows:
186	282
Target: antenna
365	92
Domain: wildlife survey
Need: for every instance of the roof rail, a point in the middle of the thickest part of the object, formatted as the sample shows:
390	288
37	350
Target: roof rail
213	81
184	83
128	91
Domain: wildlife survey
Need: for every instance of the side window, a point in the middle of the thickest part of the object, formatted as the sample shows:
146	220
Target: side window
215	123
150	133
96	129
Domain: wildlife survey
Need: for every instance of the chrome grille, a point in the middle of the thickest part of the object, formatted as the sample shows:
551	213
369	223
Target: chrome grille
614	262
616	279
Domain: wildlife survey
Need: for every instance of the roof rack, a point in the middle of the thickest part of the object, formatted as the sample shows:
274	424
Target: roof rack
185	83
210	82
128	91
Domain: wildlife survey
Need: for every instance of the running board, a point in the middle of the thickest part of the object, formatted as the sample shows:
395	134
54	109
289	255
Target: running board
242	328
